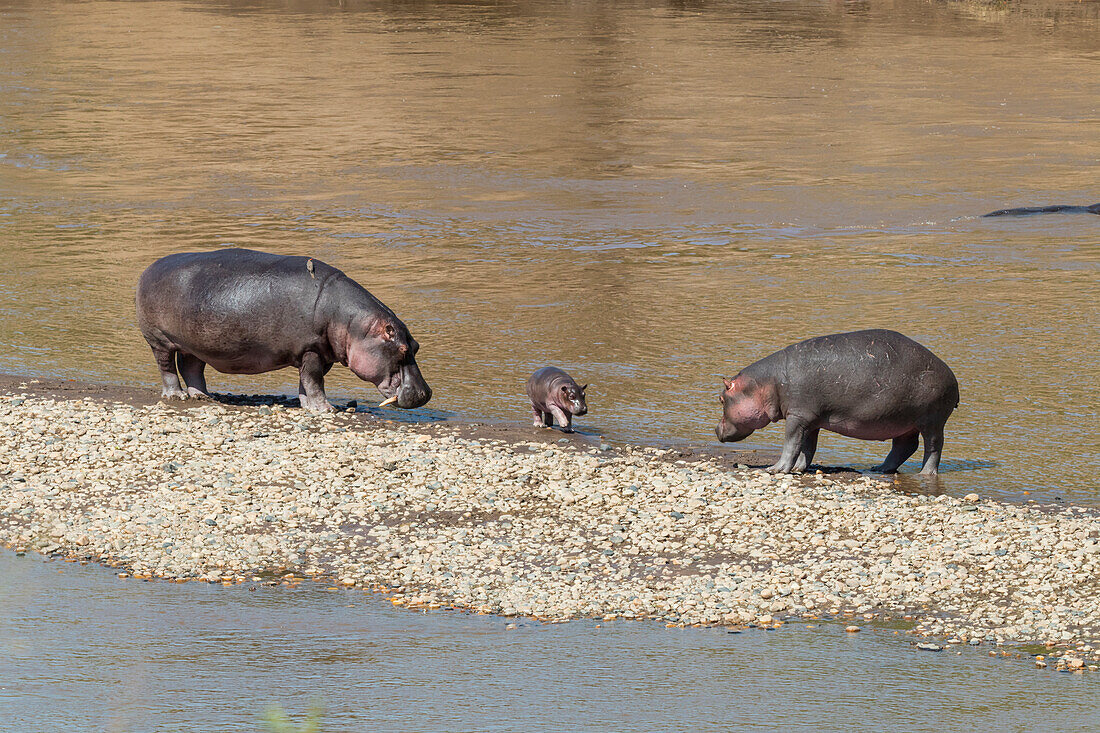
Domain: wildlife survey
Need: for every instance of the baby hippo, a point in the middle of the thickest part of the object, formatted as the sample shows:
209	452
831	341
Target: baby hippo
555	396
873	385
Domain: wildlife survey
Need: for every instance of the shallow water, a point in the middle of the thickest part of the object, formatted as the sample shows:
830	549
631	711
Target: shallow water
651	195
81	650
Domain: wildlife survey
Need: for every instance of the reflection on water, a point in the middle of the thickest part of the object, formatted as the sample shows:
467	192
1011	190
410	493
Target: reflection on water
651	195
81	650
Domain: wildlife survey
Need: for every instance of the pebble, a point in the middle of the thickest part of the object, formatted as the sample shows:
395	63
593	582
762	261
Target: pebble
439	519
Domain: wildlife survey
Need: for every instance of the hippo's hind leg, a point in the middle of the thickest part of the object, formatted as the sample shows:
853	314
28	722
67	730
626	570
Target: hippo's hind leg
311	383
903	447
806	450
191	369
171	389
933	447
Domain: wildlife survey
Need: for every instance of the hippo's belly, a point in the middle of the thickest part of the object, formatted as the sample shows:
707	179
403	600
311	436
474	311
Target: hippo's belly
867	430
248	363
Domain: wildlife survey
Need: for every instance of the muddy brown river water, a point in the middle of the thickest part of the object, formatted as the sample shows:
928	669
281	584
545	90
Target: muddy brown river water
649	194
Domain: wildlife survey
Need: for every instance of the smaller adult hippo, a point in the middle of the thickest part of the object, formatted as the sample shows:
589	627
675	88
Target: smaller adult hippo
246	312
555	395
873	385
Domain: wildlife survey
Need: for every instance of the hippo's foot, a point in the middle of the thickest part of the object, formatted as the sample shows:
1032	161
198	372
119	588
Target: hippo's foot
197	394
780	468
883	468
173	394
538	423
316	404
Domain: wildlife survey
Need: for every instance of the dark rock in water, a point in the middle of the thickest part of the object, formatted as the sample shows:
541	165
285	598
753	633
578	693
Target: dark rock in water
1059	209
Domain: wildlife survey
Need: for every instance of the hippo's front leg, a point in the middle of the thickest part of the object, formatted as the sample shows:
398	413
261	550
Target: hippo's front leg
311	383
792	445
806	450
563	418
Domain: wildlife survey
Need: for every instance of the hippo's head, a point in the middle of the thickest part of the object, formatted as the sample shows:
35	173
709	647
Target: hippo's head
571	399
381	350
747	405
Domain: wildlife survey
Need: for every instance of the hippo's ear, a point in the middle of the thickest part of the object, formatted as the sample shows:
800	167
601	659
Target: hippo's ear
585	387
727	382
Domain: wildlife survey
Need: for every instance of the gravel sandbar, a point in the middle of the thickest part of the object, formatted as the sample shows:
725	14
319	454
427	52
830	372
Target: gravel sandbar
439	519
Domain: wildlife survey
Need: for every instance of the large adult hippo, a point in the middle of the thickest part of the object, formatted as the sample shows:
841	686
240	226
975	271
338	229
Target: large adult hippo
246	312
1056	209
874	385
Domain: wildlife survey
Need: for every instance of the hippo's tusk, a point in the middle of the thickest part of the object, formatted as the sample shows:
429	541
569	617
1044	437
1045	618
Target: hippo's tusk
390	401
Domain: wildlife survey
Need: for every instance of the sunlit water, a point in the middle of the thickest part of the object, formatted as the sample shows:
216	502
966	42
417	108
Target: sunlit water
651	195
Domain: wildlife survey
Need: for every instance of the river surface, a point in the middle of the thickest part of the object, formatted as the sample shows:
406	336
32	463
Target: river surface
649	194
133	656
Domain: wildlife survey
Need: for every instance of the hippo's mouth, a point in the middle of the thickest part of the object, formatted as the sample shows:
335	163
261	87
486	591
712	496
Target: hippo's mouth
405	387
390	387
725	435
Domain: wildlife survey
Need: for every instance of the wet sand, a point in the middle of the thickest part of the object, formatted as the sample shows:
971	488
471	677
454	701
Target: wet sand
507	520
